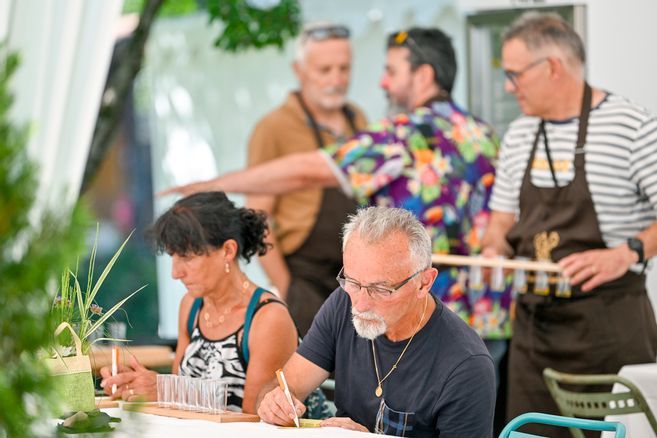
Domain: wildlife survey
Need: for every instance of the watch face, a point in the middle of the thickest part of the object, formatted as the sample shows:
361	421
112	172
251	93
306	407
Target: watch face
636	245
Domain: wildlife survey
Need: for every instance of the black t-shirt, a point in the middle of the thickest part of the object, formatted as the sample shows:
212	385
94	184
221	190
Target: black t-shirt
443	386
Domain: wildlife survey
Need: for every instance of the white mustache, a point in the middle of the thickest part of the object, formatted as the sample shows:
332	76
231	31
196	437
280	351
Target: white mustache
338	91
366	315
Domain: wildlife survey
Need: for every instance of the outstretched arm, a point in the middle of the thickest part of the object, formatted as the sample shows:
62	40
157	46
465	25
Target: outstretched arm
286	174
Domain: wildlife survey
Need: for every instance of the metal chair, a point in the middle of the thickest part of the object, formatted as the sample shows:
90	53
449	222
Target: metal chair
557	420
595	404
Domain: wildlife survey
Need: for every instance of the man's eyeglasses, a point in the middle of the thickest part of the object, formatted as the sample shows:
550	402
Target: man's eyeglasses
322	33
403	38
374	291
513	76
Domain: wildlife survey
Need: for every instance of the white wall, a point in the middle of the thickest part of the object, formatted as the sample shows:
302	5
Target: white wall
621	48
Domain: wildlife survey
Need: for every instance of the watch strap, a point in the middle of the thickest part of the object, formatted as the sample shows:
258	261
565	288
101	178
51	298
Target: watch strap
636	245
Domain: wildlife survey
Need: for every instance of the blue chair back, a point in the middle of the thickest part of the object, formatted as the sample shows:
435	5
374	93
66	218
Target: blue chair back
557	420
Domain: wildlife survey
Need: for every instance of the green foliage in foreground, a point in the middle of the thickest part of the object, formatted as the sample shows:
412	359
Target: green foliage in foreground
31	258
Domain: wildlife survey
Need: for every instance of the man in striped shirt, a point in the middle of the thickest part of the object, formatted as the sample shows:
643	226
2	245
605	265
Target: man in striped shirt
576	184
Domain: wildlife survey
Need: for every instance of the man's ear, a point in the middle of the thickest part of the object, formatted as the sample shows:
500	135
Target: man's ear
425	75
297	68
427	278
557	67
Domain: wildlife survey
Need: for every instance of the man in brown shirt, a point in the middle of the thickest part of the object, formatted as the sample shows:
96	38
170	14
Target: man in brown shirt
306	224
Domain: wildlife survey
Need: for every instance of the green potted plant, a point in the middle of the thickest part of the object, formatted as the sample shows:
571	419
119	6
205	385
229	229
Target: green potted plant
75	317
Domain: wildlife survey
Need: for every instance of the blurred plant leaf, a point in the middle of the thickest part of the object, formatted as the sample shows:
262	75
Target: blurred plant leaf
247	26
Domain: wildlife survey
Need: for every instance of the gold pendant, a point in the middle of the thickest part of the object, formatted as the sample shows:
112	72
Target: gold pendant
378	391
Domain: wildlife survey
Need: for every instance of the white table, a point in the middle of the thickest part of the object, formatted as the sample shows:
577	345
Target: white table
644	376
155	426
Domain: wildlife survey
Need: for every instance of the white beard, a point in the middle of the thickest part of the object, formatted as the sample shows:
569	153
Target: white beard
332	98
368	325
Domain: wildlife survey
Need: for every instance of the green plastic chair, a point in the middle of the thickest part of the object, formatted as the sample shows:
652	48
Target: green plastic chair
595	404
556	420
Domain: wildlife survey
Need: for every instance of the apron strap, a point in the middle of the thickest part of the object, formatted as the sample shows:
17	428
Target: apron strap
346	111
581	135
583	126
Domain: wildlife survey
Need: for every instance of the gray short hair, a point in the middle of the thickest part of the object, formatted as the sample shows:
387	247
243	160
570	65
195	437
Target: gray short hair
540	29
374	224
305	37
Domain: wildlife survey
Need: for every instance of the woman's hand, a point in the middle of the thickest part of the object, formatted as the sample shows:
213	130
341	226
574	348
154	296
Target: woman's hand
132	383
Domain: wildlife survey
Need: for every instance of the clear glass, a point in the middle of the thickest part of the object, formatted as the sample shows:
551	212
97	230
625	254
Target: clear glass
519	279
475	278
166	390
563	288
194	397
497	278
192	394
217	395
174	391
160	381
542	283
183	392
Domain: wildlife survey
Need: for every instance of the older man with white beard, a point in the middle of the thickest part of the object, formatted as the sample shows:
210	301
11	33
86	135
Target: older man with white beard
404	364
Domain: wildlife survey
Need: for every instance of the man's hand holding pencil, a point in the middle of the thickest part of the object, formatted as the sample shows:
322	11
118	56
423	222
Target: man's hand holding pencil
277	408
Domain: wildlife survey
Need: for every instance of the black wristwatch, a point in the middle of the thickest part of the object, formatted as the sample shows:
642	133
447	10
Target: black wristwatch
636	245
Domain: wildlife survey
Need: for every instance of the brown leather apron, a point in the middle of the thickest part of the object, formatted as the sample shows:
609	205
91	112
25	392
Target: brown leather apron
318	260
593	332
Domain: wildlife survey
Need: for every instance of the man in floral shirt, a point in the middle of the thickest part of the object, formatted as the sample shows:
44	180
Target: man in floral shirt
432	158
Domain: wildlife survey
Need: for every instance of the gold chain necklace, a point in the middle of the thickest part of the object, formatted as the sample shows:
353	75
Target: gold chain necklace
222	316
379	390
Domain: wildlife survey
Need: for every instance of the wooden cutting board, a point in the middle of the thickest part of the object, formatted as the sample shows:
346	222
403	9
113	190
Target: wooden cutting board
224	417
106	402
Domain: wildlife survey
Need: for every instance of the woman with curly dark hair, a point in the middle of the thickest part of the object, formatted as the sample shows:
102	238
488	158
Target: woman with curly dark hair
227	328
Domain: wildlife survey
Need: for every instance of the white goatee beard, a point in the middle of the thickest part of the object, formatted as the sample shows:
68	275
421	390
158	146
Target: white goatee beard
368	325
333	98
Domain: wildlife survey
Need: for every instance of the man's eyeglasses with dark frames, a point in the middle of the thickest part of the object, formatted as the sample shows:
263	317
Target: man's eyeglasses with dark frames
322	33
513	76
374	291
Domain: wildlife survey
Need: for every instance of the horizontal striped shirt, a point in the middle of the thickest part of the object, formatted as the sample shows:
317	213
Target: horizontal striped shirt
620	162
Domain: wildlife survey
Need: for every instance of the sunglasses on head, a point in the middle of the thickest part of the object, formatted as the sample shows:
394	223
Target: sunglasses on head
327	32
403	38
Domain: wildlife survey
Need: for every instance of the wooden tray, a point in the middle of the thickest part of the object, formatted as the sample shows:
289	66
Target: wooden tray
225	417
106	402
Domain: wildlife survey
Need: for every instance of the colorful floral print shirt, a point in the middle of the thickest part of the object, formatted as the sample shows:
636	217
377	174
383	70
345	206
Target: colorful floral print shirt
437	162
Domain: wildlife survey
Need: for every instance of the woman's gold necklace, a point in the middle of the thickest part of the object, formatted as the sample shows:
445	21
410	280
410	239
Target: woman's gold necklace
222	316
379	389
